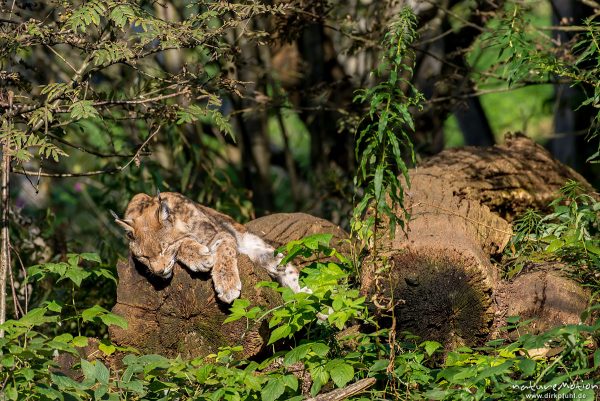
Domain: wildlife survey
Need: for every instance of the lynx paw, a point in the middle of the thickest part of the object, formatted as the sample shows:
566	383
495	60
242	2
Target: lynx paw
228	295
197	257
289	276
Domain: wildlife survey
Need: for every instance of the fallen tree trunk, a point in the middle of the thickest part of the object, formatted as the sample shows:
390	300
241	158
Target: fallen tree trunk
437	279
182	316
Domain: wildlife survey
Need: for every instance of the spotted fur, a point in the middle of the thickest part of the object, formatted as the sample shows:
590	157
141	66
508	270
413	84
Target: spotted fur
170	227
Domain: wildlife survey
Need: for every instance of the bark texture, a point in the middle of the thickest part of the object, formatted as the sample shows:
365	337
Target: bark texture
546	295
182	316
437	279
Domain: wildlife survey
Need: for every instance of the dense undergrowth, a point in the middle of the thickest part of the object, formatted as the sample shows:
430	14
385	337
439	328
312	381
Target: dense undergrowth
332	354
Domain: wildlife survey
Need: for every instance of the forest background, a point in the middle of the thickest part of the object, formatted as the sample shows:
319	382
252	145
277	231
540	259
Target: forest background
251	107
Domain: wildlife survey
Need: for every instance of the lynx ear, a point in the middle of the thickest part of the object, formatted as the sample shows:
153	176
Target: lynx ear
163	210
126	224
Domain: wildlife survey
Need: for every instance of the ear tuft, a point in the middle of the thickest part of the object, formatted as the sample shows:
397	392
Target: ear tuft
163	211
125	224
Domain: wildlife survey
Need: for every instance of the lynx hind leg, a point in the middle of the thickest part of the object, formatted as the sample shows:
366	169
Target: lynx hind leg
196	256
287	275
263	254
225	274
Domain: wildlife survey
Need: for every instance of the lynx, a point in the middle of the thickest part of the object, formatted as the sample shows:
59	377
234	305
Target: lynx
171	228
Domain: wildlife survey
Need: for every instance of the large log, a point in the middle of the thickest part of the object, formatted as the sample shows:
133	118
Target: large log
182	316
437	278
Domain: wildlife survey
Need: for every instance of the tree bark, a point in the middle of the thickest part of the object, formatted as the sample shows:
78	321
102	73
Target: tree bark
437	279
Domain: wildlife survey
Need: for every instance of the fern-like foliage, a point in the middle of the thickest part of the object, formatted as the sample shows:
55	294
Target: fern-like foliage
383	138
569	234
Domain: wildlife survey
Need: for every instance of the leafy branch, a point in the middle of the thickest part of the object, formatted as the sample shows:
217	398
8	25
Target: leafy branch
383	139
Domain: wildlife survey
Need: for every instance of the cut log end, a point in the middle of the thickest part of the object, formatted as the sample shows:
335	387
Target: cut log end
438	296
545	296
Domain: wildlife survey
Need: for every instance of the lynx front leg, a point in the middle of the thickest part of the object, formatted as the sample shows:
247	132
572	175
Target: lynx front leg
225	274
196	256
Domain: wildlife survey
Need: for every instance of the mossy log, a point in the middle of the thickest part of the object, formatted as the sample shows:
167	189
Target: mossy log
437	278
182	316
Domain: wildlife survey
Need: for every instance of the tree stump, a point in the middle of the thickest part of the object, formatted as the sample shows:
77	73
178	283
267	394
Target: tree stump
437	279
546	295
182	316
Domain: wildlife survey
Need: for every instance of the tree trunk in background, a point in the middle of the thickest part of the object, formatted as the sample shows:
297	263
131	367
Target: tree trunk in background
572	122
4	236
326	91
252	121
437	279
442	71
5	264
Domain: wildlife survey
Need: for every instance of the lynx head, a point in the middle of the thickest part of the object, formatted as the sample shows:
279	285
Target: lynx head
152	238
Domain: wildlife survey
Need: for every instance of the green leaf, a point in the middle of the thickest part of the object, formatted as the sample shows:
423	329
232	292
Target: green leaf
106	347
320	376
11	392
83	109
273	390
431	347
76	274
378	181
36	317
290	381
320	349
90	314
92	257
555	245
65	383
527	366
436	394
53	306
88	369
341	373
279	333
8	361
80	341
102	373
110	318
297	354
379	365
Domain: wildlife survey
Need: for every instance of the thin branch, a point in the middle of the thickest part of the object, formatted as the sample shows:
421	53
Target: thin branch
456	16
8	21
16	304
25	287
346	392
62	58
113	170
141	101
481	93
564	28
5	264
86	150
